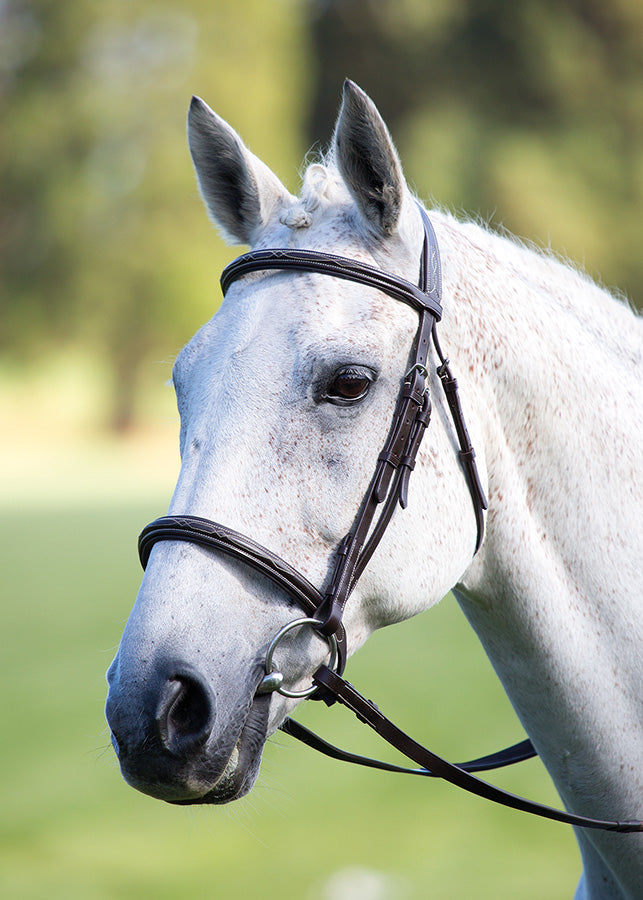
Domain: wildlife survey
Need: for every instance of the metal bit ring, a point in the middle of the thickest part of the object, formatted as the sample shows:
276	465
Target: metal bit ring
273	680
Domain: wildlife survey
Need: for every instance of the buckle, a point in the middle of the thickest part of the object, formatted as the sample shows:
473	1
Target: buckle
418	367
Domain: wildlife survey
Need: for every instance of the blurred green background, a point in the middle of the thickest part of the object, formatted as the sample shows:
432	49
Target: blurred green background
528	114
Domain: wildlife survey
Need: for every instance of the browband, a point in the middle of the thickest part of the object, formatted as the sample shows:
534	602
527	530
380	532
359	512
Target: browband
339	267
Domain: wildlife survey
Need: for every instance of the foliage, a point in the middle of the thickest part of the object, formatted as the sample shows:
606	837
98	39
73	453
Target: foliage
531	111
103	238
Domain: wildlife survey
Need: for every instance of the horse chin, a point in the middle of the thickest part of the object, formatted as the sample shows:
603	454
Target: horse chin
240	773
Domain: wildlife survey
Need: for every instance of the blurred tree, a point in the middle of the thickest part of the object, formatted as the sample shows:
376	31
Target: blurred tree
532	108
102	238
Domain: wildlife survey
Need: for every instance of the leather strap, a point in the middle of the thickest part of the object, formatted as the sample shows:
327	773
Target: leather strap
508	757
338	266
387	484
196	530
466	454
367	712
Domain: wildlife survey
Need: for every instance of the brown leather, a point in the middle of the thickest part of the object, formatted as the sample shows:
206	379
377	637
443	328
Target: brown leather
367	712
467	454
507	757
339	267
197	530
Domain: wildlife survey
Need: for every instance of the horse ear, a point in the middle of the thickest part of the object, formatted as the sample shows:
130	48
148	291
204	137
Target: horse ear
368	161
240	193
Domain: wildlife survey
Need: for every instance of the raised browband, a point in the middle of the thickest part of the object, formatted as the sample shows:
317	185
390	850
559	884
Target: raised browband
339	267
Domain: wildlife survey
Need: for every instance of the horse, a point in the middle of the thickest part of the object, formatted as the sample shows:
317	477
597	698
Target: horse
286	397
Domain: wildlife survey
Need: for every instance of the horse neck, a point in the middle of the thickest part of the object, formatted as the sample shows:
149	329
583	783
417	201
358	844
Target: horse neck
554	595
554	368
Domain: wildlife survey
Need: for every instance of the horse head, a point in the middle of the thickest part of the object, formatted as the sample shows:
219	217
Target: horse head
286	397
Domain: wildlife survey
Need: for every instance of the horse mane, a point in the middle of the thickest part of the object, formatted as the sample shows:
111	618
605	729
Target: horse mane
553	273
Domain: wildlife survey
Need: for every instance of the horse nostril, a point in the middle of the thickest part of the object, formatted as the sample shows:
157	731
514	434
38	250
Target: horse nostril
185	713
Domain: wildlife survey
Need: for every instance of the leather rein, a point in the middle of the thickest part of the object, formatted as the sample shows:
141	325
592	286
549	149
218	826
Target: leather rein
387	488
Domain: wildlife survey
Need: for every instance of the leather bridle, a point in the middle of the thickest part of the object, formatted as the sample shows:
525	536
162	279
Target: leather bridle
387	488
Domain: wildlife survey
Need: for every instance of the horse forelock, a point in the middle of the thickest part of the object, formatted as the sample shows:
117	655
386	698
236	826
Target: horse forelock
322	188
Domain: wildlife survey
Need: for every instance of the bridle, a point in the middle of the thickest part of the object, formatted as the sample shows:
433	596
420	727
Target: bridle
389	484
388	487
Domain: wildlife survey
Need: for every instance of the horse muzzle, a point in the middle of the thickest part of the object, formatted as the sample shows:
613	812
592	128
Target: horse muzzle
171	743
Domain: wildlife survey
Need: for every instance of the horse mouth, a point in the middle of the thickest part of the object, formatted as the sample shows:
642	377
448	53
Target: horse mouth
242	768
213	775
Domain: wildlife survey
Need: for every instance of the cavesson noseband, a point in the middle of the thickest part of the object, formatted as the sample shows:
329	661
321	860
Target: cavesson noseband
387	488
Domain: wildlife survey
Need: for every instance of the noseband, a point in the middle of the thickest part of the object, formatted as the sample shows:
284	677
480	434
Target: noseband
387	488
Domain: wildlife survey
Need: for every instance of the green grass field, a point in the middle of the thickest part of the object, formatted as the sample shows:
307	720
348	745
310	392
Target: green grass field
312	828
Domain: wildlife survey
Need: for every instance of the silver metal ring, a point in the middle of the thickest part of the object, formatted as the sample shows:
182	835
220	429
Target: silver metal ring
274	679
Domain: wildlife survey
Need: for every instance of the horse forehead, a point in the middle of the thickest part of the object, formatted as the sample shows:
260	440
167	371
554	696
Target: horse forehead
279	306
276	317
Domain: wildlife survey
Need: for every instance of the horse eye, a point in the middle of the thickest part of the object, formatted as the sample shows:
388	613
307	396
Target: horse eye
350	385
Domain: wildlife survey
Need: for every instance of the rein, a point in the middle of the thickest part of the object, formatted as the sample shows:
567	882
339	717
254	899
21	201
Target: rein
387	488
